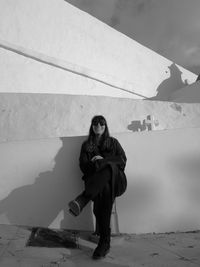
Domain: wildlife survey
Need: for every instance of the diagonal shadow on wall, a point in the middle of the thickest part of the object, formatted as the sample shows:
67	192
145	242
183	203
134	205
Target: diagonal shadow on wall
39	204
169	85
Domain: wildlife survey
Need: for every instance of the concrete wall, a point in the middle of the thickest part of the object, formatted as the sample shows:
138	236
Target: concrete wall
50	46
38	178
163	192
33	116
188	94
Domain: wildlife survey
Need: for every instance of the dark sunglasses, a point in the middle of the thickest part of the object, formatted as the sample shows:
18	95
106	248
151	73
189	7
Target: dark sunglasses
96	122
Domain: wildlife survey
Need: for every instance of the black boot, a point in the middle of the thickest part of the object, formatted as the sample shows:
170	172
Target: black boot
103	247
76	205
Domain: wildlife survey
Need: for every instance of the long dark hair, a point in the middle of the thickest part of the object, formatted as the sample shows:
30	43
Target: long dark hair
91	137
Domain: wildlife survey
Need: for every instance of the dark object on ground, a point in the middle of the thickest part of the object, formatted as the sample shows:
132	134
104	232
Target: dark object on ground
45	237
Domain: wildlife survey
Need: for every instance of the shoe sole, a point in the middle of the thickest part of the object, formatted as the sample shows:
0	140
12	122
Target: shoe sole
74	208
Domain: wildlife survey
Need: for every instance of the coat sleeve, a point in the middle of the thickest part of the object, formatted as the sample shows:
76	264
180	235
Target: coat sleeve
118	157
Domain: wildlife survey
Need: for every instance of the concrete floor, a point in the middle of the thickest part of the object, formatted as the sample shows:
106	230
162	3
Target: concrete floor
152	250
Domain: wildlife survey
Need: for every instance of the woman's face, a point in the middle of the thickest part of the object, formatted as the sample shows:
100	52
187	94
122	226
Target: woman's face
98	127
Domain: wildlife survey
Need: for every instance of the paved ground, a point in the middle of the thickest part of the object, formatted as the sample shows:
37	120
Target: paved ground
152	250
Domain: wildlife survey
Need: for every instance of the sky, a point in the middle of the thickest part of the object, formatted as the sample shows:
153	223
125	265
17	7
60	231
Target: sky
169	27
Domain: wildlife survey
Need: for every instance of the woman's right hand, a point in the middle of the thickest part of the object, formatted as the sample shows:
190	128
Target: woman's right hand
96	158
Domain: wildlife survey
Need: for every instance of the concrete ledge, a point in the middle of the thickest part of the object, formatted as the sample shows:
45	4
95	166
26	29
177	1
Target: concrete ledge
33	116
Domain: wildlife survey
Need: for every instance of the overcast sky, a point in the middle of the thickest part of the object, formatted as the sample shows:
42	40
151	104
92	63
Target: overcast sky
169	27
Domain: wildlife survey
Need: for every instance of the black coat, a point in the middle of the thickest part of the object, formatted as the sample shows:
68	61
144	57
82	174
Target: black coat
113	156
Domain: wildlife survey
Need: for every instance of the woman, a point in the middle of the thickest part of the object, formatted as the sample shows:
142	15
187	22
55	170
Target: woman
102	161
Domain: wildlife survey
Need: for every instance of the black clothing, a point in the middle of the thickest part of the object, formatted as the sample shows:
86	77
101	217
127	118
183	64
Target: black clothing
104	179
113	157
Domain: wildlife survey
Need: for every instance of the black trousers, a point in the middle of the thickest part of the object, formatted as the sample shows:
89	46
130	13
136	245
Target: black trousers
98	188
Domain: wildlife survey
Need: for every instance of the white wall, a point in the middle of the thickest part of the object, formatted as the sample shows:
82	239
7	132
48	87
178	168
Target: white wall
66	36
33	116
163	192
38	178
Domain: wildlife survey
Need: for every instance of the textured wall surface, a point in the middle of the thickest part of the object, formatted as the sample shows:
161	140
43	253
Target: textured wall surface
188	94
38	178
56	71
163	192
55	30
33	116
